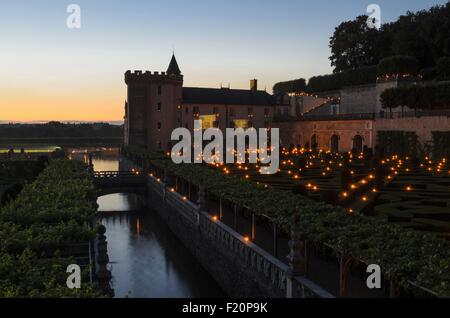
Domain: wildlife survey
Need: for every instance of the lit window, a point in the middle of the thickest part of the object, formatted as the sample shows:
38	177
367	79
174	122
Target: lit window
241	123
208	121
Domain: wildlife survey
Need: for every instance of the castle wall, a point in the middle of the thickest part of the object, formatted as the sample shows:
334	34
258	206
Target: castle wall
300	132
359	99
423	126
153	108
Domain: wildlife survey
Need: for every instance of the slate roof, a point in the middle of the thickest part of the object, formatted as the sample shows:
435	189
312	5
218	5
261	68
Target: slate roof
196	95
173	68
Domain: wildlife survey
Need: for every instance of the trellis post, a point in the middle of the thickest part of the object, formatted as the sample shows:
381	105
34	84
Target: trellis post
201	200
253	226
345	263
275	240
220	209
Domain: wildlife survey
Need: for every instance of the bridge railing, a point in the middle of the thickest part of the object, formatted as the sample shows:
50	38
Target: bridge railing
116	174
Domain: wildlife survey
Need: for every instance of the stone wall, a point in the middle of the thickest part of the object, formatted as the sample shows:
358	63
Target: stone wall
301	132
359	99
423	126
241	268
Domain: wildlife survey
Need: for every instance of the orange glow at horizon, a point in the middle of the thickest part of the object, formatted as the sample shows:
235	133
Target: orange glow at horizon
34	105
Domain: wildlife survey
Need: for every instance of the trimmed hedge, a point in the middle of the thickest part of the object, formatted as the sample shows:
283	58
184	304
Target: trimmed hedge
294	86
49	216
331	82
401	143
404	255
428	96
398	64
441	144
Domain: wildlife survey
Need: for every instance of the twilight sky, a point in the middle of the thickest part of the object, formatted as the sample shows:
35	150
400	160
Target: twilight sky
50	72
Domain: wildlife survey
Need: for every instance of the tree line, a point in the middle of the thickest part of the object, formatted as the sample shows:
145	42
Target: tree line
417	43
59	130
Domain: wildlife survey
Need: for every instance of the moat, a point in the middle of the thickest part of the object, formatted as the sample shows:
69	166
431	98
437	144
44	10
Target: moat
146	258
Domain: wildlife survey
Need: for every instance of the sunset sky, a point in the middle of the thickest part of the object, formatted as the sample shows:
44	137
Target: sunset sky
51	72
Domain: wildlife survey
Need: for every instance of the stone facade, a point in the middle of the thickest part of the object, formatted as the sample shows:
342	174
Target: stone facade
157	103
359	99
349	131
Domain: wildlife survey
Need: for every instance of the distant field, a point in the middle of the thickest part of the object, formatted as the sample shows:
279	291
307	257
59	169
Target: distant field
7	143
30	148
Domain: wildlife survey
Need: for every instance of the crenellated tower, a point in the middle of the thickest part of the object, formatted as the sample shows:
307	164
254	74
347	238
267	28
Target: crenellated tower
152	110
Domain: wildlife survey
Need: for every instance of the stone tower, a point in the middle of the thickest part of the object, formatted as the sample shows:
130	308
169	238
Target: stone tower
153	107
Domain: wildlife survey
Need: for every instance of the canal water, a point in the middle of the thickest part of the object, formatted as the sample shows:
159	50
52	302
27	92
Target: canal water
146	259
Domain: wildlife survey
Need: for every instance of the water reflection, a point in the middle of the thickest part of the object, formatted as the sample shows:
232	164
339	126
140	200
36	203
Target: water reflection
147	260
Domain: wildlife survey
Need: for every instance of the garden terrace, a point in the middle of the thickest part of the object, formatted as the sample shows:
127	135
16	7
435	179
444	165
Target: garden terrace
44	230
407	257
415	197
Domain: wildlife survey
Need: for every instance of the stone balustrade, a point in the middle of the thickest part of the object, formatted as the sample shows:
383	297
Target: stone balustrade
266	266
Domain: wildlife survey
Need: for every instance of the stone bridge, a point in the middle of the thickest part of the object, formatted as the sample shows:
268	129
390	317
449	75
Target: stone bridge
109	182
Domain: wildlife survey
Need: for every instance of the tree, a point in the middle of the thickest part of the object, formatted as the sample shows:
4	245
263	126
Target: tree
353	45
424	35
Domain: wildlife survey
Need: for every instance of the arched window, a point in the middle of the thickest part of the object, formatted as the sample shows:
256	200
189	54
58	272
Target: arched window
358	143
314	144
334	147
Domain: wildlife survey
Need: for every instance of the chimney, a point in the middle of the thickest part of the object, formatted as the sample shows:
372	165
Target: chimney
254	85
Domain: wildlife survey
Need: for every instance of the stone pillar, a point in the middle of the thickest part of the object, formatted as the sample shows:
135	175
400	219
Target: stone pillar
103	274
296	261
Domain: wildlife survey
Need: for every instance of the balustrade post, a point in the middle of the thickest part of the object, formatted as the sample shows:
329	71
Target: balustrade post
296	261
103	274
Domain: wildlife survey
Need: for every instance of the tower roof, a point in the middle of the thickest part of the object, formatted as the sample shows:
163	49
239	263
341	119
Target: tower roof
173	68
